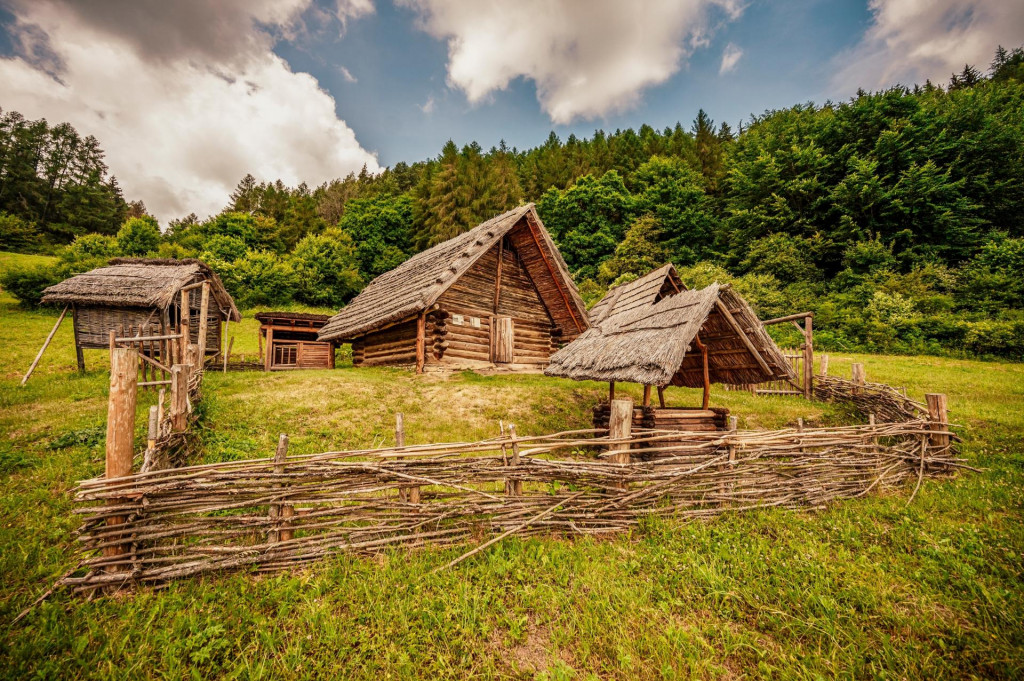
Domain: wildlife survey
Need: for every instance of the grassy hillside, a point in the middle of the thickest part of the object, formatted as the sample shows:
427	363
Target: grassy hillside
870	587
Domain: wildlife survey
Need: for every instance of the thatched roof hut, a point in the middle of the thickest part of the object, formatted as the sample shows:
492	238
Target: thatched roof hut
658	343
499	293
133	293
648	289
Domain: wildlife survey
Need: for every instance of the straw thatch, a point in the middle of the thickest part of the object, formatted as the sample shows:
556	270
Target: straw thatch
268	317
151	283
417	283
655	344
646	290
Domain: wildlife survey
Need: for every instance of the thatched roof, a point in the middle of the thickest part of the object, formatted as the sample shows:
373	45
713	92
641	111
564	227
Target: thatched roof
655	344
417	283
267	317
140	282
643	291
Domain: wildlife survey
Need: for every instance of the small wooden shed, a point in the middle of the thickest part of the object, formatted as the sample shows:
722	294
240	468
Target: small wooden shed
656	333
288	340
499	295
133	294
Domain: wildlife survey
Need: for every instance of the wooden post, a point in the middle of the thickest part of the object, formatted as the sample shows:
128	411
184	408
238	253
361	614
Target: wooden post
808	357
421	341
204	323
661	396
160	407
647	395
611	391
280	514
406	493
733	427
824	365
111	343
46	344
874	436
620	423
180	374
514	488
124	370
497	279
706	398
185	322
938	417
859	377
79	355
151	433
268	356
227	355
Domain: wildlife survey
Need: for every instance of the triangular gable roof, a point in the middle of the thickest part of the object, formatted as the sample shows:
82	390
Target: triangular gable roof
140	282
636	293
417	283
652	344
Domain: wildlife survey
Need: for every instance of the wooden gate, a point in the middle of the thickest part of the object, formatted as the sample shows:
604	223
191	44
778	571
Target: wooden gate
502	340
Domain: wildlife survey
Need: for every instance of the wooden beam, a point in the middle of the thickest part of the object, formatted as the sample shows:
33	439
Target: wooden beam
661	396
647	395
79	355
743	337
789	318
706	371
611	391
551	271
497	280
421	341
268	356
46	344
809	358
124	369
204	322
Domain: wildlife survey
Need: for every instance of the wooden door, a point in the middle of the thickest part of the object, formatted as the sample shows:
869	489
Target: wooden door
502	340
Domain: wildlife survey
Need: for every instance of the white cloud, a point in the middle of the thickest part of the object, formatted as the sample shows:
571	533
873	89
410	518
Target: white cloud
184	97
347	75
730	57
428	106
912	40
587	57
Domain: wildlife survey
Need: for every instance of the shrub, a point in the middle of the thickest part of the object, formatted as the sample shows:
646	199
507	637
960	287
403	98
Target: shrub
138	236
260	278
996	337
327	268
27	283
17	235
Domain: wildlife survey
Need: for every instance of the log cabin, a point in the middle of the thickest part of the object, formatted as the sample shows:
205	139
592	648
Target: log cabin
288	340
497	296
147	295
655	332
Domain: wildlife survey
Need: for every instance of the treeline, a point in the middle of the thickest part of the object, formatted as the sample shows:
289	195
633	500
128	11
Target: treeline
895	216
53	185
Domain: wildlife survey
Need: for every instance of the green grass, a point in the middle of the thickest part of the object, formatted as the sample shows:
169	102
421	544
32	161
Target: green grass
867	588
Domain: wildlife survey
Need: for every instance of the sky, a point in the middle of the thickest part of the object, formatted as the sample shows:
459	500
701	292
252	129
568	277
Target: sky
188	96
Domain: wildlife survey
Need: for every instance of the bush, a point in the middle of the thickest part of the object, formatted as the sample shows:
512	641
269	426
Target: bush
996	337
17	235
260	278
138	236
327	268
27	283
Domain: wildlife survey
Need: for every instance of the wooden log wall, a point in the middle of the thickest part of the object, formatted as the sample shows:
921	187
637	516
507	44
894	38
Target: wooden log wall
393	345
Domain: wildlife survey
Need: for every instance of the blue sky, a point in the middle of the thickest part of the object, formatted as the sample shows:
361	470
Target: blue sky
188	96
788	57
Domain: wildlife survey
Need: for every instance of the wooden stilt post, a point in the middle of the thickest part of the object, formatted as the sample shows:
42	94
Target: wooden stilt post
808	357
611	391
859	377
647	395
620	424
204	323
46	344
79	355
661	396
227	355
938	417
124	370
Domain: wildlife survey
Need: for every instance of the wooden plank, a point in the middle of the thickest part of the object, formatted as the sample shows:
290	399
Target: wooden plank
46	344
204	321
743	336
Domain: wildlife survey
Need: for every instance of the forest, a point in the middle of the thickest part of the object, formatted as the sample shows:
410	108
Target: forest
895	216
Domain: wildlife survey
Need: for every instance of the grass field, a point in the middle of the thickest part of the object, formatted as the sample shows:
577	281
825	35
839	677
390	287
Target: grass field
868	588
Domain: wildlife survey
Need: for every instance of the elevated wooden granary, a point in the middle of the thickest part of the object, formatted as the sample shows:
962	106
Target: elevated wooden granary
655	332
497	295
143	296
288	340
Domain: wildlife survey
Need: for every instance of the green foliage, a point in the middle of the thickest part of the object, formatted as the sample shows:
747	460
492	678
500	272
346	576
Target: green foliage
639	253
27	283
18	235
259	278
138	236
224	248
380	228
326	269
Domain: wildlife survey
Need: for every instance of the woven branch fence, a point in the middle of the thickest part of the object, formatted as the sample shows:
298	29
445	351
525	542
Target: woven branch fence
274	514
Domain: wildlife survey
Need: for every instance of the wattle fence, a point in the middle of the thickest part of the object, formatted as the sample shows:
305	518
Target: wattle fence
284	511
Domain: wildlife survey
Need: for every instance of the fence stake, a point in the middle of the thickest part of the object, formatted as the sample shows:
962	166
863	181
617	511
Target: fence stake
151	435
859	378
824	365
160	408
620	423
180	374
407	493
808	357
124	369
514	488
204	310
186	332
938	416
